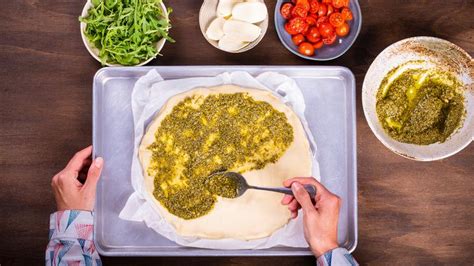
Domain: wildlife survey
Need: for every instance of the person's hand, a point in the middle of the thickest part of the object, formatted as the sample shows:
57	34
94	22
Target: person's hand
69	192
320	219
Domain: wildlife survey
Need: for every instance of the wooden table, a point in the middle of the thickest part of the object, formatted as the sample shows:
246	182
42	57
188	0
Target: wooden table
409	212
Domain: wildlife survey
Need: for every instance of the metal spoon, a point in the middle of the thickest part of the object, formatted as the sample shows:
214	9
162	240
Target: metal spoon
243	185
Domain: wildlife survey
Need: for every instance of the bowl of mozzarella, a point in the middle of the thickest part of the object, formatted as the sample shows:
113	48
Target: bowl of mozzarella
233	26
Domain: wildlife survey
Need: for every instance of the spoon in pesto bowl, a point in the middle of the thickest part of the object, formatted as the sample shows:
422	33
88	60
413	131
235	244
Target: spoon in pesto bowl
233	185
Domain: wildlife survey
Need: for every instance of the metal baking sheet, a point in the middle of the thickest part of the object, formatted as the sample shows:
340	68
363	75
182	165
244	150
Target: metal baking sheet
330	110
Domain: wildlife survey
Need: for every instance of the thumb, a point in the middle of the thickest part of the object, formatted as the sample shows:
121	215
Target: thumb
302	197
93	174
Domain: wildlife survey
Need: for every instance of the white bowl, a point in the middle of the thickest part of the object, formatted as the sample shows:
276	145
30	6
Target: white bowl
208	13
95	52
446	56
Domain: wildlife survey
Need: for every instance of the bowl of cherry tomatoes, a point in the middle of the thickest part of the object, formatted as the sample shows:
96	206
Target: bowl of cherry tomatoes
318	30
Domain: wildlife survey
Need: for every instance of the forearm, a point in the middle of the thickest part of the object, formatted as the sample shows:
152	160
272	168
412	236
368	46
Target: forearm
337	256
71	239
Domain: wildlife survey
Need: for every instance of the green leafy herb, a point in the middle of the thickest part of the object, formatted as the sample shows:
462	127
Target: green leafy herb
126	31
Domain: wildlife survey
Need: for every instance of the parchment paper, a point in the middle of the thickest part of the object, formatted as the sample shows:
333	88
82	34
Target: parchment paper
149	94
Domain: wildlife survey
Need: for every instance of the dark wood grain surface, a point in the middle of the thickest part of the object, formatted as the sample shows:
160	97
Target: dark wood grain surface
409	212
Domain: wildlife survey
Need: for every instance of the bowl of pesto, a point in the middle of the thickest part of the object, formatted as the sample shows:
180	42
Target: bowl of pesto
418	98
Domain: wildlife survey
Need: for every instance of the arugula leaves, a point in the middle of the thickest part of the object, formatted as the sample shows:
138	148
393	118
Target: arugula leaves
125	31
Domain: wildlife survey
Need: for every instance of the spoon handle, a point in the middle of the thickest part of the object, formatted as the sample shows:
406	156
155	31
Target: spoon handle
309	188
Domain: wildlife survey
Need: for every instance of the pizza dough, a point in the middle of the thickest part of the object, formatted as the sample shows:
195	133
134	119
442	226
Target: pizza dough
256	214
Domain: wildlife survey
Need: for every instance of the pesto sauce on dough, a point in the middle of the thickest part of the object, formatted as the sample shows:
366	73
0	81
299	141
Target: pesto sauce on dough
221	185
421	106
204	135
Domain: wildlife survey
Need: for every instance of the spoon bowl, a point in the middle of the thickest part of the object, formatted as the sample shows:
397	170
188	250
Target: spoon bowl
242	185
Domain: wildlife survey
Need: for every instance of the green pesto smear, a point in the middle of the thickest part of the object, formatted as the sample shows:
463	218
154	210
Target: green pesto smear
221	185
204	135
420	106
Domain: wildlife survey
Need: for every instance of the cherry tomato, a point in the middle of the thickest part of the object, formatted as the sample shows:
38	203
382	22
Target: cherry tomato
310	20
321	20
323	9
346	14
304	3
305	30
301	8
326	29
306	48
297	39
313	35
330	39
343	30
330	10
318	45
286	9
296	25
299	11
336	19
338	3
314	6
289	30
315	23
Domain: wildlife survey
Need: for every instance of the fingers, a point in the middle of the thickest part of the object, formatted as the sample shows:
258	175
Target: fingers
79	159
302	197
286	199
331	203
321	190
288	182
325	200
94	174
293	206
294	215
65	179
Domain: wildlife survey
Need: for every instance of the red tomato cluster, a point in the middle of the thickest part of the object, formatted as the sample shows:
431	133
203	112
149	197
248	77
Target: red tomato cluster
314	23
